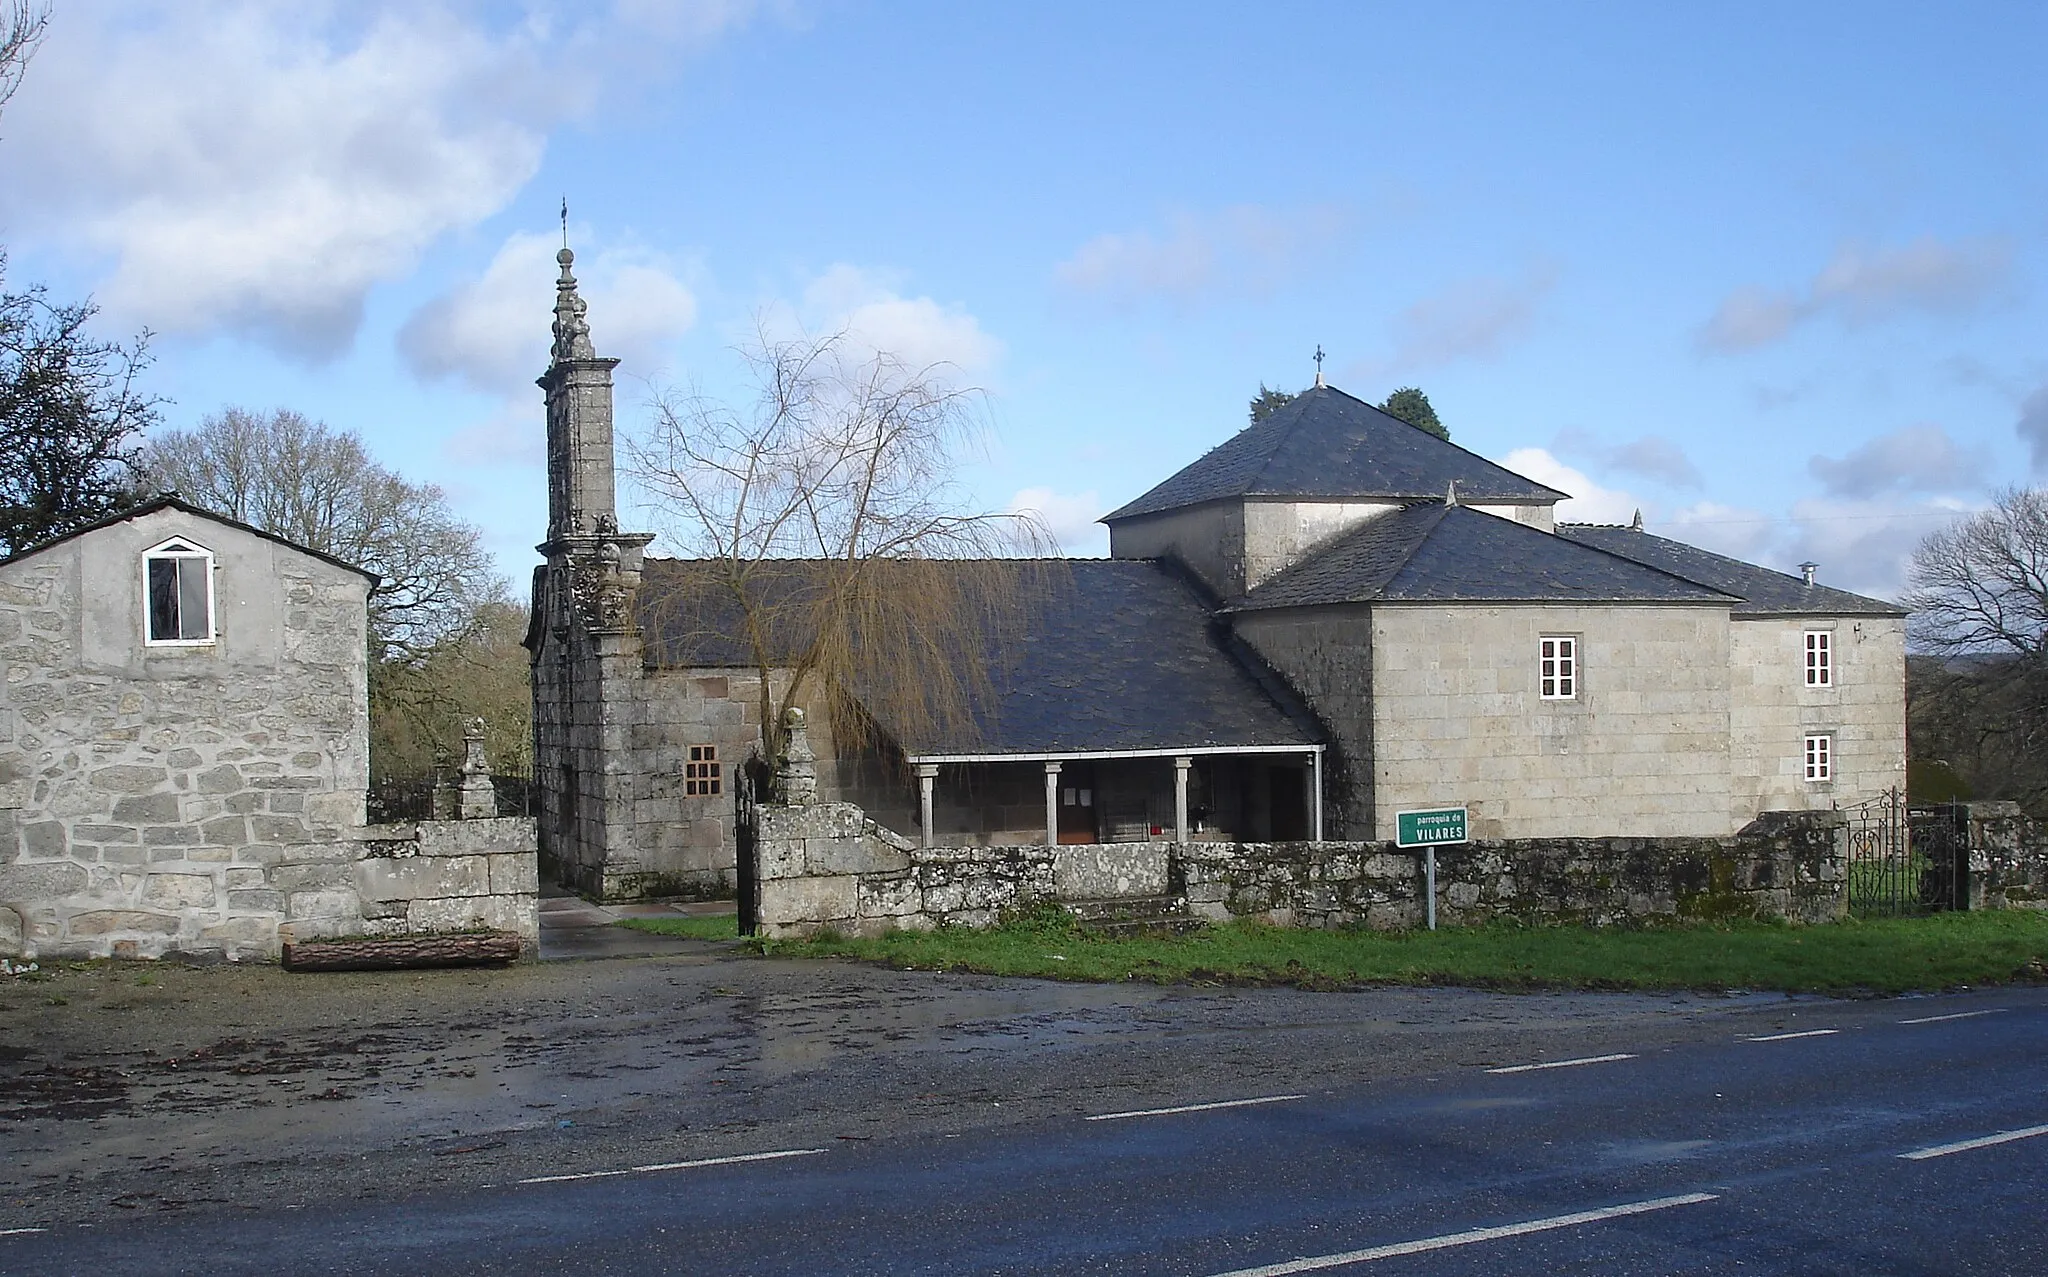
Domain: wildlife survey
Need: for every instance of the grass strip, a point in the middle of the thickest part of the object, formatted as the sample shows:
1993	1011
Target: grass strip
1890	955
715	926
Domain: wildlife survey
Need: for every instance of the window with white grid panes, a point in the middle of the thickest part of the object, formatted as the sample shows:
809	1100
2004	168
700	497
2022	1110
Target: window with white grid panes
1558	667
1820	757
702	774
1820	658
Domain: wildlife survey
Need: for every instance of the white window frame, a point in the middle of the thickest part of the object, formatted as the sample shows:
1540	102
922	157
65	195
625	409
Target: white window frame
1819	655
1819	757
1557	667
182	551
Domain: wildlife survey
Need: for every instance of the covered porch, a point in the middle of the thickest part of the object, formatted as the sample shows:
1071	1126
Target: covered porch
1206	793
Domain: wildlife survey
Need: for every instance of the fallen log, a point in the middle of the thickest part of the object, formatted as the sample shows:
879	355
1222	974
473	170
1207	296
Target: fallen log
387	953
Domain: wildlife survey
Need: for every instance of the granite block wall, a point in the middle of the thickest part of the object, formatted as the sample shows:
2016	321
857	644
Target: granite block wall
827	866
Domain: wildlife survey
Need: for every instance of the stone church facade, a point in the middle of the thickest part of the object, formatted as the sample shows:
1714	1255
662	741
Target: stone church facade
1328	619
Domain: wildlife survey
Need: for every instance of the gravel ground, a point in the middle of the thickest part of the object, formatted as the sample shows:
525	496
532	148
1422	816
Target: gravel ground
131	1088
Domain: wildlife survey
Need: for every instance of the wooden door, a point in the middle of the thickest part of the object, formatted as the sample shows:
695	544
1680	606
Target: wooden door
1078	808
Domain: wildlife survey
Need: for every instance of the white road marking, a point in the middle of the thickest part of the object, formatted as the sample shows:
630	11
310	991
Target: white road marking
1467	1238
1193	1108
1562	1064
16	1232
677	1166
1787	1037
1964	1146
1960	1015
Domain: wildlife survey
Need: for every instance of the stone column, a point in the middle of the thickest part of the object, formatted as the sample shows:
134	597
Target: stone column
927	780
1180	798
479	800
796	772
1052	804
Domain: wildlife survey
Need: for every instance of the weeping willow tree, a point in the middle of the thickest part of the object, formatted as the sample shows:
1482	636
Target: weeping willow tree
831	547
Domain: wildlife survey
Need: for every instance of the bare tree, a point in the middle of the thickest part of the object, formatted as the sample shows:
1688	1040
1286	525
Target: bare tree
22	27
831	539
1980	604
69	412
319	487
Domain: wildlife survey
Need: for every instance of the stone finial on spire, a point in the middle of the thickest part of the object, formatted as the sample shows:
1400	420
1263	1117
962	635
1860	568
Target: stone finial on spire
572	331
1451	493
1636	524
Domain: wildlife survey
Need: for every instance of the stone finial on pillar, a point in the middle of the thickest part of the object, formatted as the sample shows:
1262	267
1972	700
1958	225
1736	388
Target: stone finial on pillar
796	771
479	799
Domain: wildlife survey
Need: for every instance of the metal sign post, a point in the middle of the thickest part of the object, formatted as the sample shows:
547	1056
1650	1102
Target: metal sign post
1429	828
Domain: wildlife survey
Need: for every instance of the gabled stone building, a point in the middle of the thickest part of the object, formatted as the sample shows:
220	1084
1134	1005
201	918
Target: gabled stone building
1329	618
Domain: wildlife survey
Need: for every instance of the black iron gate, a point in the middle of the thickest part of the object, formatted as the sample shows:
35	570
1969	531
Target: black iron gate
1907	860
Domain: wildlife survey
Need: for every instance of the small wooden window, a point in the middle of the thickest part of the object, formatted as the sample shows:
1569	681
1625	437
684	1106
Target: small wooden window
702	775
1820	658
1559	667
1820	758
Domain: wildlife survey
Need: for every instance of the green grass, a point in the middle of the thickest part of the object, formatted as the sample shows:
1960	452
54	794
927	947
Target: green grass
716	926
1889	955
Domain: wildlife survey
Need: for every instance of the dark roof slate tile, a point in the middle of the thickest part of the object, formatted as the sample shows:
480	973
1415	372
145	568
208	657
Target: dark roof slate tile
1762	591
1327	444
1437	553
1116	655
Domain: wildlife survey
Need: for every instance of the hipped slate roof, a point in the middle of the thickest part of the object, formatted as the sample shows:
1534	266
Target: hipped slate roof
1326	444
1108	655
1437	553
1762	592
155	504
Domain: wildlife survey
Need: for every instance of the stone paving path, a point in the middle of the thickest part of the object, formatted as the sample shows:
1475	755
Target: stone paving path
573	928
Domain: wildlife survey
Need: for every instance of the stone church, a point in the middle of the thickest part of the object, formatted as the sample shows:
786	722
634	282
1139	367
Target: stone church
1328	619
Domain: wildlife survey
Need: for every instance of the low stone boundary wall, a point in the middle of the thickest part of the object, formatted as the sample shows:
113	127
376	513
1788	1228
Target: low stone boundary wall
2008	857
434	876
826	865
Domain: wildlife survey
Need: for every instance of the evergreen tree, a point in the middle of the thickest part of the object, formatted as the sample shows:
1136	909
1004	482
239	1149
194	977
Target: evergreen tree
1412	406
1268	401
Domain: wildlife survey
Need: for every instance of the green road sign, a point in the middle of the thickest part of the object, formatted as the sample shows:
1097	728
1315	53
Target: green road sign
1429	828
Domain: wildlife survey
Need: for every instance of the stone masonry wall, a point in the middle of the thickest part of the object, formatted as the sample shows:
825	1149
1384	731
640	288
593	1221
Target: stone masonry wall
1772	709
2008	857
157	799
450	875
826	865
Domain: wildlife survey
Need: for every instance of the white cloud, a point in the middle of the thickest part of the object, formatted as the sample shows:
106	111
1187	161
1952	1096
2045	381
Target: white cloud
2032	427
1204	258
493	332
920	332
1070	518
1651	456
1588	502
1862	284
1471	319
1736	531
1865	546
259	167
1919	458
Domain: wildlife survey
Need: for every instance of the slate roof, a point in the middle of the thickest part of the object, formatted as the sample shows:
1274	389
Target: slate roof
1431	552
155	504
1762	591
1112	655
1328	444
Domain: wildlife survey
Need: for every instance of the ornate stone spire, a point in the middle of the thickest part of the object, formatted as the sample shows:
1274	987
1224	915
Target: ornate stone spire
572	331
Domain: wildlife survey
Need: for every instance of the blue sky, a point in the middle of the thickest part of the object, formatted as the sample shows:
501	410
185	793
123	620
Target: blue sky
1770	273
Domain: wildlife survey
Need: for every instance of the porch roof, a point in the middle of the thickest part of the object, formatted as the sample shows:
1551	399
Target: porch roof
1107	657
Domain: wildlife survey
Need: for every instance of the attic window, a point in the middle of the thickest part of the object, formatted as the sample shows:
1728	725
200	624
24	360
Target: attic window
702	775
1559	667
177	581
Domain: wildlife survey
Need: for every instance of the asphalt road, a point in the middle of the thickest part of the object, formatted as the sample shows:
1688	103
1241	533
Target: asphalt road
1895	1136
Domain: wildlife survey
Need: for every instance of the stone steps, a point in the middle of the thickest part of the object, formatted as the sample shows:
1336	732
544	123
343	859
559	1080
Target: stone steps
1134	915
